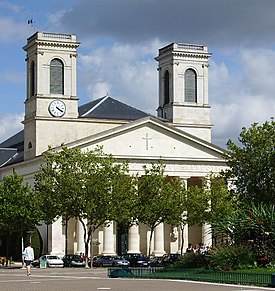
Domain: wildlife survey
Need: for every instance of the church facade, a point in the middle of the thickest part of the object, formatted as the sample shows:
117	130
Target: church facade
180	136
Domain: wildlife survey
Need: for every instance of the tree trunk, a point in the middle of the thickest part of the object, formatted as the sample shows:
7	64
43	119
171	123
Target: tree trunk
66	236
182	238
150	241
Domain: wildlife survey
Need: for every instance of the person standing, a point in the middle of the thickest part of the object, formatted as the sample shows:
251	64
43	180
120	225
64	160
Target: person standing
29	257
190	248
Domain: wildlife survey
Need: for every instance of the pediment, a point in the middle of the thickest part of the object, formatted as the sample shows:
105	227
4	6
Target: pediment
150	138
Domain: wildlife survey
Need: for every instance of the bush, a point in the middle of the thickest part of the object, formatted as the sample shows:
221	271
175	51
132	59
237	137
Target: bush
191	260
230	257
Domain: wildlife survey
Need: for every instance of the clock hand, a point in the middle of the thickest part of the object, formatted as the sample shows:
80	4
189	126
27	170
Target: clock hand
59	109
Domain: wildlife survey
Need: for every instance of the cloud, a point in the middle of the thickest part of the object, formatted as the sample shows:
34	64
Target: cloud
13	77
10	124
120	38
123	72
11	28
219	22
6	5
241	98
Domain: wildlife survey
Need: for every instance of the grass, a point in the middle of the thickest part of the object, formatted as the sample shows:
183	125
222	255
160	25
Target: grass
257	276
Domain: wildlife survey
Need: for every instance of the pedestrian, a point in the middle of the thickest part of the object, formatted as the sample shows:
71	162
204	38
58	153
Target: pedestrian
202	249
190	248
29	257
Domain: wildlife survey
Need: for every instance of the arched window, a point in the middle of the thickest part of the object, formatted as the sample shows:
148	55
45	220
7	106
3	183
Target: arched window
166	87
32	78
190	79
56	77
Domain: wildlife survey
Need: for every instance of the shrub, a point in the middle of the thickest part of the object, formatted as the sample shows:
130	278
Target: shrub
230	257
191	260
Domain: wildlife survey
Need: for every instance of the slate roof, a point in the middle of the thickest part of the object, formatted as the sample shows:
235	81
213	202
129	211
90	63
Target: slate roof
110	108
15	141
12	149
6	155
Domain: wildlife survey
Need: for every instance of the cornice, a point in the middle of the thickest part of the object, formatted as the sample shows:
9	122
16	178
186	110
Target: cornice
191	55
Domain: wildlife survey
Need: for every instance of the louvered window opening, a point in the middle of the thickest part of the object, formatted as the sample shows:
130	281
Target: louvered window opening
190	86
166	87
32	80
56	77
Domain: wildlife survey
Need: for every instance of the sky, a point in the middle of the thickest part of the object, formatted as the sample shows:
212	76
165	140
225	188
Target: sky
120	39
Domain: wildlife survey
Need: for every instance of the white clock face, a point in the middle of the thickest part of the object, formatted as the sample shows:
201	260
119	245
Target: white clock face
57	108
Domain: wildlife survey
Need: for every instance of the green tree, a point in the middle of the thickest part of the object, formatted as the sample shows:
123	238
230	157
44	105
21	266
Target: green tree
157	198
223	203
19	206
60	185
107	193
85	186
124	196
252	165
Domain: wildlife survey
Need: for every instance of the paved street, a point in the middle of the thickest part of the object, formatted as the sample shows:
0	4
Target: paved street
68	279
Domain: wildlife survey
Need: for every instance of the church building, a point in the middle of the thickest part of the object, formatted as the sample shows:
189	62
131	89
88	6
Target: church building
179	135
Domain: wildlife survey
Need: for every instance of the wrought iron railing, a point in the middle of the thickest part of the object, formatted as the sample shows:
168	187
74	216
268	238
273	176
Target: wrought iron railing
230	277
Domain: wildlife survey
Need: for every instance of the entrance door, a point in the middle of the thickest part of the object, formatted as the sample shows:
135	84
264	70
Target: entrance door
122	240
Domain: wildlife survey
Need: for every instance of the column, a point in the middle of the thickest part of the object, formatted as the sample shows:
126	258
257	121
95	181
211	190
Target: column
159	240
133	240
207	235
185	235
58	239
109	239
206	228
185	238
80	238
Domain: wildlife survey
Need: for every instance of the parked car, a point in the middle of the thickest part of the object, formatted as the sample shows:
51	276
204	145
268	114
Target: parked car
170	259
51	261
120	262
73	261
137	260
107	261
156	261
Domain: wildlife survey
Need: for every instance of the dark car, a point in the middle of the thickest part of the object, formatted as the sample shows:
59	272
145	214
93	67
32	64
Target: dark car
156	261
137	260
73	261
107	261
170	259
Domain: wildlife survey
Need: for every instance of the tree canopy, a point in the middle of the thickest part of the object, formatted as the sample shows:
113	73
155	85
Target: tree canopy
19	206
252	165
158	197
89	186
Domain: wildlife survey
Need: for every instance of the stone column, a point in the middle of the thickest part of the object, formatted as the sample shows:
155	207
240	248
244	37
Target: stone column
80	238
206	228
185	238
206	235
185	234
58	239
159	240
133	240
109	239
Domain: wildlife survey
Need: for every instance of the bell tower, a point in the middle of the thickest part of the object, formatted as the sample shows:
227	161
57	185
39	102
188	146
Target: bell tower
51	90
183	88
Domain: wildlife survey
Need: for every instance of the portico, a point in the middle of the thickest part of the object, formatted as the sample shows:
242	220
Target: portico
179	136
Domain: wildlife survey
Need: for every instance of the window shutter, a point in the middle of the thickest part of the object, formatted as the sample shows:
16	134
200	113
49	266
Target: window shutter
166	87
32	80
56	77
190	86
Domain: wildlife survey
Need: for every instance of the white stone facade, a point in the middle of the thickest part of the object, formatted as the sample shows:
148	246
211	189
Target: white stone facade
182	143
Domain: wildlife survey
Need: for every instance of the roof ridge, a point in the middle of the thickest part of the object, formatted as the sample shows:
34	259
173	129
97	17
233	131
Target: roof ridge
93	108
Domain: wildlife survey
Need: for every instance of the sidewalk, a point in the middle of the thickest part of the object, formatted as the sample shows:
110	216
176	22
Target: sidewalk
13	265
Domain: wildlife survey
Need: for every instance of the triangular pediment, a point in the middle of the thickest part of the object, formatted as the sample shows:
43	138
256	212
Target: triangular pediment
150	138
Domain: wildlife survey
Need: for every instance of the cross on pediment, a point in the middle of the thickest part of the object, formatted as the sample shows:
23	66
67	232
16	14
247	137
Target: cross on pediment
147	138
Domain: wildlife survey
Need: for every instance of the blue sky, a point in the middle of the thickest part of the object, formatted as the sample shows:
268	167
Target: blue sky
120	38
